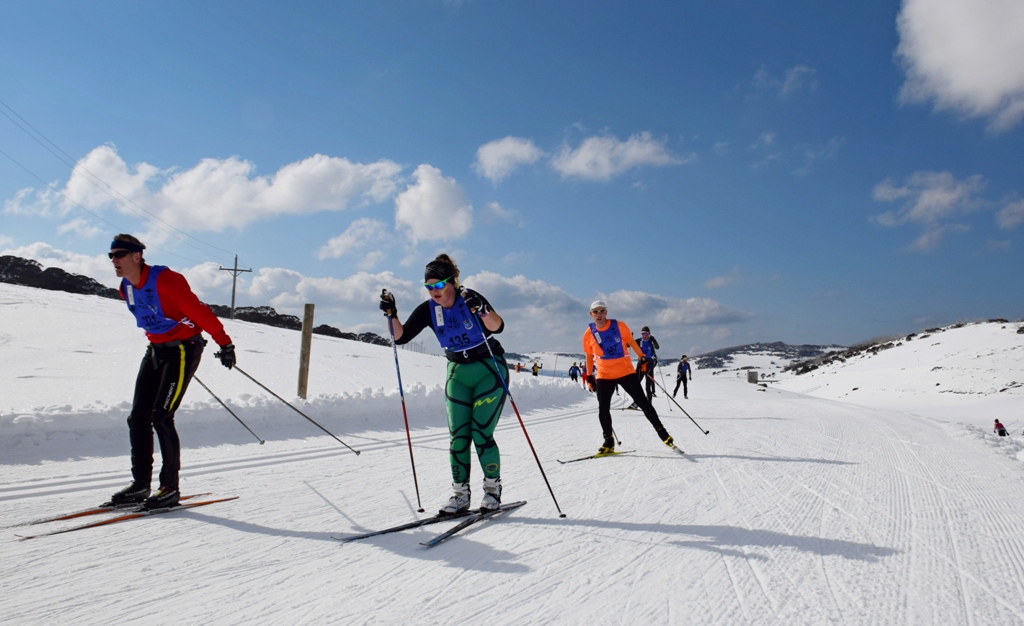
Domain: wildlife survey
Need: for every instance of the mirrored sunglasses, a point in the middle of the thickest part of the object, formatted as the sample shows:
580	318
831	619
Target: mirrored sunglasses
437	285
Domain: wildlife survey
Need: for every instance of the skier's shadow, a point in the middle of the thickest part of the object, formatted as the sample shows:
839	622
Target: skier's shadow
730	540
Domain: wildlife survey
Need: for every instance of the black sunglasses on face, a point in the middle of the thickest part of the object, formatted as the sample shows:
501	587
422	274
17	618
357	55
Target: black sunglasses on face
118	254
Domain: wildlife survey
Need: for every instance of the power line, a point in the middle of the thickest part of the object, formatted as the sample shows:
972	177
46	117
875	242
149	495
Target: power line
97	216
106	187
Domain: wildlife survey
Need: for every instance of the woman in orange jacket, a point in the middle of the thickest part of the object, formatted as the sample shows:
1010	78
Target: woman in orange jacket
608	341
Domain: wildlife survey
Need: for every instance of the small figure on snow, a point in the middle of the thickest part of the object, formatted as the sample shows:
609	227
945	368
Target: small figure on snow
683	372
173	317
536	368
608	341
1000	429
464	323
648	344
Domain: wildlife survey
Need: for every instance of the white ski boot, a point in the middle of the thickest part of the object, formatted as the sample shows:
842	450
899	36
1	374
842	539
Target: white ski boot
492	494
459	502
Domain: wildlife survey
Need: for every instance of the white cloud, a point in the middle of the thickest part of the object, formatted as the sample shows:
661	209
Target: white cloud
500	213
1011	215
359	293
931	197
928	241
726	279
5	241
764	140
361	233
816	154
497	159
604	157
795	79
930	200
29	201
80	227
216	194
966	57
434	208
668	311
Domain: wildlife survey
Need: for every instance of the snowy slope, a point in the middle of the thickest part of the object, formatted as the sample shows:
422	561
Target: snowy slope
793	510
974	373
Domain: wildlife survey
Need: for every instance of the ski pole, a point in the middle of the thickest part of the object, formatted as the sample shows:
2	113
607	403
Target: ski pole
196	378
241	371
662	372
497	370
405	415
680	407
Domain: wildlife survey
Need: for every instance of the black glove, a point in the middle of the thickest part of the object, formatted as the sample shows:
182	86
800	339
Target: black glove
476	303
387	303
226	354
591	383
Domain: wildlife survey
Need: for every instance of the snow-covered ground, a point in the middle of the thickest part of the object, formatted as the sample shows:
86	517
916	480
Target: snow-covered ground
795	509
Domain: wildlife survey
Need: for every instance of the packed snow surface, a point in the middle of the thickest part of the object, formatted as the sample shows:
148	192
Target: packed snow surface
795	509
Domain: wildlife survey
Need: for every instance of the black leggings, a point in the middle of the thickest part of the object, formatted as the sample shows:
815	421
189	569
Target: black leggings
163	377
680	381
630	384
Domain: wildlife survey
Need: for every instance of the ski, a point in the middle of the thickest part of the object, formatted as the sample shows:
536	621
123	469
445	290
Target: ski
96	510
127	516
473	518
394	529
677	449
595	456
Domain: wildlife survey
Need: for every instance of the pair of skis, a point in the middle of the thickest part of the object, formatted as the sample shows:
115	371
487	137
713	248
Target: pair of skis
468	519
127	513
674	448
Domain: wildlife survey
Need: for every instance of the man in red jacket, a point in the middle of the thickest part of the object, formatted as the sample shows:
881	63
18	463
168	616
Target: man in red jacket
173	318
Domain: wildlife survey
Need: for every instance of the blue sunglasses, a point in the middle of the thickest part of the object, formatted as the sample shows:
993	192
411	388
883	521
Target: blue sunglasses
437	285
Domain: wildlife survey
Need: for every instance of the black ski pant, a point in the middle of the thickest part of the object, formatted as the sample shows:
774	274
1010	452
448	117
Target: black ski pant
159	388
680	381
631	385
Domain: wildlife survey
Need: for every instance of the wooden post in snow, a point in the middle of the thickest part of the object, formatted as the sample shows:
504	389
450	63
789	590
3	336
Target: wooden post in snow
307	344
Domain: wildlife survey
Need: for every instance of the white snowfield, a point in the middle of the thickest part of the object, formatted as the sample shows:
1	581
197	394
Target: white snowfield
795	509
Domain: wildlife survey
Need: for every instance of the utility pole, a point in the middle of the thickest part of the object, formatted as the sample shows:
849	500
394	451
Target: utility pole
234	281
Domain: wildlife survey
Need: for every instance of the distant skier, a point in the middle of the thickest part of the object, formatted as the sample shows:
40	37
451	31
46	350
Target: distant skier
683	372
649	345
574	372
608	341
173	318
536	368
583	374
464	323
1000	429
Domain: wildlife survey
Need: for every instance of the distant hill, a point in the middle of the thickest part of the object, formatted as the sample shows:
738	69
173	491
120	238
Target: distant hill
727	357
29	273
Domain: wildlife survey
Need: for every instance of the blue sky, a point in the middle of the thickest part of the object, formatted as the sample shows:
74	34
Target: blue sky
723	172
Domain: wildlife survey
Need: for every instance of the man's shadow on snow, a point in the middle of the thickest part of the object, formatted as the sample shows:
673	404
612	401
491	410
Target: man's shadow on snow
462	553
731	540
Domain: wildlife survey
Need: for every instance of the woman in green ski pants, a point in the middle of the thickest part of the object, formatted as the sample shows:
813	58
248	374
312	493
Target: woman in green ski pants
463	322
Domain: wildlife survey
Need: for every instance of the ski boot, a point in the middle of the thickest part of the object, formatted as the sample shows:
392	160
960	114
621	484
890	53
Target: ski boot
459	502
492	494
609	445
135	493
165	497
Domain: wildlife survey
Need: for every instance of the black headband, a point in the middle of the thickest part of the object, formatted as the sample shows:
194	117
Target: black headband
438	270
126	245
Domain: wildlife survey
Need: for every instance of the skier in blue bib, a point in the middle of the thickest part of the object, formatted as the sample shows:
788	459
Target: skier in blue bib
464	322
649	345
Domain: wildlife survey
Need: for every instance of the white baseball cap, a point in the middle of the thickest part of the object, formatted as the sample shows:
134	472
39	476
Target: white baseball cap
598	304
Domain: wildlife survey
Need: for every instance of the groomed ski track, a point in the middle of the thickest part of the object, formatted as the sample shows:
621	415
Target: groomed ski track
794	510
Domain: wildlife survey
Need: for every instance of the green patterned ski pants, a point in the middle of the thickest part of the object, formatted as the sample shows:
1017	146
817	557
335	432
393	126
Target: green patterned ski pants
475	398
